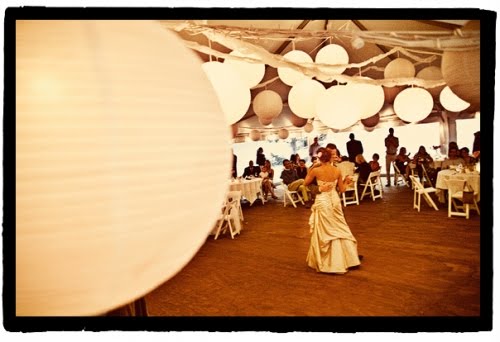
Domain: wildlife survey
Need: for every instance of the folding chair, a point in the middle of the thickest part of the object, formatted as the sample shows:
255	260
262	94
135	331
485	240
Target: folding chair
418	191
372	183
352	188
425	177
260	192
293	196
230	218
456	189
236	195
398	176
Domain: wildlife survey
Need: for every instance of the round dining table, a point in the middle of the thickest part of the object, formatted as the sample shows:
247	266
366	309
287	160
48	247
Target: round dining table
472	178
251	189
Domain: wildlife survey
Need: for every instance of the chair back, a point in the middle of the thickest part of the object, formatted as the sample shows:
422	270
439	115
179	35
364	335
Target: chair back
346	168
455	186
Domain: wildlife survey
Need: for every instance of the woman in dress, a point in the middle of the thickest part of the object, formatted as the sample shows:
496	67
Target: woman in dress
333	248
267	184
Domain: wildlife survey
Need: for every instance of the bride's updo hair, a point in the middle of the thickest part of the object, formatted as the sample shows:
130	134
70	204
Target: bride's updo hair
324	154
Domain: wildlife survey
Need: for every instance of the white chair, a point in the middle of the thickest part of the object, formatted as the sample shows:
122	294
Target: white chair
236	195
372	183
418	191
292	196
456	193
230	218
425	177
350	195
398	176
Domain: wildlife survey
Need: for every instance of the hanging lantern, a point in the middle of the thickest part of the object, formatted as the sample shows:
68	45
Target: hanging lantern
232	92
283	133
339	107
413	104
399	68
372	95
390	93
303	96
372	121
332	54
251	73
255	135
291	76
432	73
267	104
308	128
265	121
452	102
94	100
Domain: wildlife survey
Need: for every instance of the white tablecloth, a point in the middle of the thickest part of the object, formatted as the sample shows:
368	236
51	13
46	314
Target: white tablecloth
473	179
250	188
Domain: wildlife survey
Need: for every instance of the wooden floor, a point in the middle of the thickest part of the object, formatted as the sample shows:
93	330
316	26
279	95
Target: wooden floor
415	264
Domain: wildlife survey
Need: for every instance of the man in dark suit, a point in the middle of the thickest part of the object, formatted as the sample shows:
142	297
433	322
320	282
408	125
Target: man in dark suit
354	147
251	170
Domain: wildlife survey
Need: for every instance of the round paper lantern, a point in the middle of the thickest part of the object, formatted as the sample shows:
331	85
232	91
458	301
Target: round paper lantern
338	107
413	104
251	73
372	95
332	54
432	73
296	120
461	71
399	68
291	76
99	105
265	121
372	121
255	135
267	104
232	92
308	128
390	93
283	133
452	102
303	96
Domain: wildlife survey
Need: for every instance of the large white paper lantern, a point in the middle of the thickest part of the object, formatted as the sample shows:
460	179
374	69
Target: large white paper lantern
232	92
371	97
303	96
101	215
332	54
432	73
255	135
452	102
339	107
413	104
267	104
283	133
251	73
399	68
291	76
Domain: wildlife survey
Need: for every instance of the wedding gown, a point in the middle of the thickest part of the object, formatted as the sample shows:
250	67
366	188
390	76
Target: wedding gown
333	248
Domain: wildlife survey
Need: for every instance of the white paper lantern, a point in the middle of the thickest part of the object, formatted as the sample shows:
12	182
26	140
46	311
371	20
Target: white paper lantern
291	76
372	98
303	96
283	133
338	107
101	215
251	73
332	54
413	104
432	73
267	104
399	68
233	93
308	128
255	135
452	102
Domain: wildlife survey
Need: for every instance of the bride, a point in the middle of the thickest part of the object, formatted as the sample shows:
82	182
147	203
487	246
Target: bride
333	248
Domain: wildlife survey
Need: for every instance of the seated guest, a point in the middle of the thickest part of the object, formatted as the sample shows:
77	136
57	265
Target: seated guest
453	159
302	169
424	160
363	168
293	182
270	170
251	171
314	160
374	162
267	183
402	162
468	159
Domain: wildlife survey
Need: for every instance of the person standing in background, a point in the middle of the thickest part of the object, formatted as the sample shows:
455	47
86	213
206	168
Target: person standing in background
391	144
313	148
354	147
234	170
261	157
